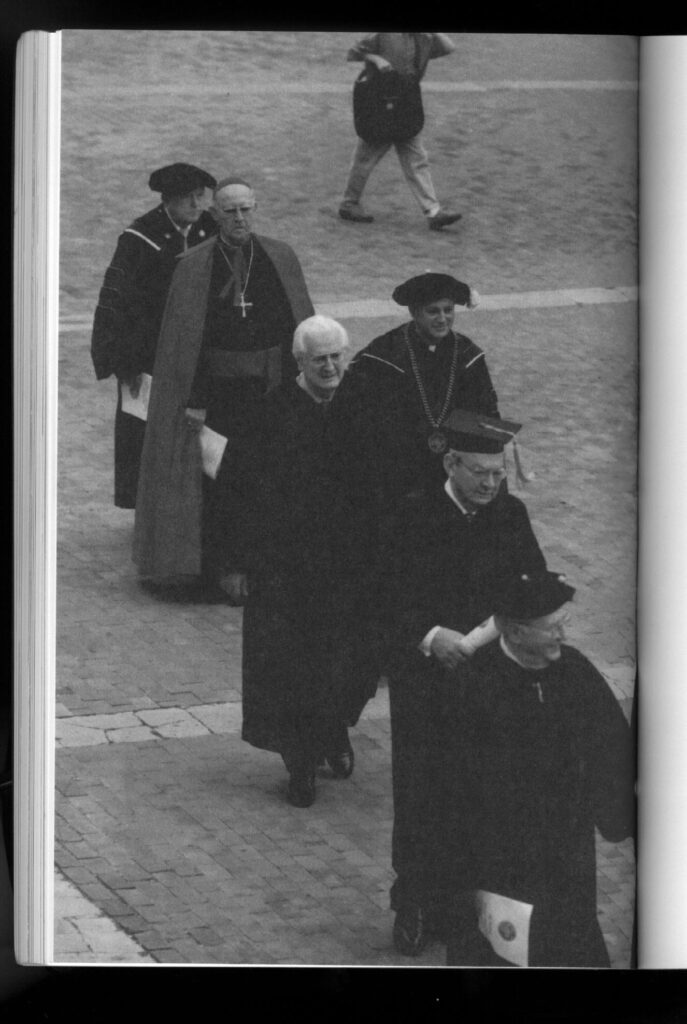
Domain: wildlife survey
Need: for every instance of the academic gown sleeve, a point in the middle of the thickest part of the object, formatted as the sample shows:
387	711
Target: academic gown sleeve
609	753
436	573
115	339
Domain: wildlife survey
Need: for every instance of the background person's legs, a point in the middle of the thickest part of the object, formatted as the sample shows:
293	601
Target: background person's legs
365	159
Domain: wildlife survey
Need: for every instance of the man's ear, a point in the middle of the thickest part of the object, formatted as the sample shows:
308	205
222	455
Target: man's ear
448	461
212	210
513	631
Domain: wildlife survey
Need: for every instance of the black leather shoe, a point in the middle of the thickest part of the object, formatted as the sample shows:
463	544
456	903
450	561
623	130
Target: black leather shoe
355	214
410	930
342	763
301	791
442	220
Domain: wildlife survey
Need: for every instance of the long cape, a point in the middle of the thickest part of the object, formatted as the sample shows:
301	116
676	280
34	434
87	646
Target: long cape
167	532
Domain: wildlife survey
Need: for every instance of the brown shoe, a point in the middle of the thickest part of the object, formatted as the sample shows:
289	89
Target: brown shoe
442	220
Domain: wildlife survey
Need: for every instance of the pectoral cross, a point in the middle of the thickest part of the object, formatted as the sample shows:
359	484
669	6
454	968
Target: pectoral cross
244	306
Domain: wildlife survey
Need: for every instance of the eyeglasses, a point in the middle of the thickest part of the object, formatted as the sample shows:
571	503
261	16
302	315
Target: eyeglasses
234	211
554	630
485	474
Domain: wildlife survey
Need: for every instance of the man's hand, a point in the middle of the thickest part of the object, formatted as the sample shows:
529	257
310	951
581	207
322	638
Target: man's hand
447	647
235	584
195	418
379	62
133	384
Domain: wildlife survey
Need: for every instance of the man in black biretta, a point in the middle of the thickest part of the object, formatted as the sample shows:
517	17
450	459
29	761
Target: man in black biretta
540	756
398	392
442	555
132	299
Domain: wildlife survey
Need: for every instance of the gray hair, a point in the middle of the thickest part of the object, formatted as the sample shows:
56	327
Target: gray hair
318	328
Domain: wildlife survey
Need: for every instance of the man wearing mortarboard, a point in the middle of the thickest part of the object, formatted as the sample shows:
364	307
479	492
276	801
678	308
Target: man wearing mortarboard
540	755
442	556
233	305
132	299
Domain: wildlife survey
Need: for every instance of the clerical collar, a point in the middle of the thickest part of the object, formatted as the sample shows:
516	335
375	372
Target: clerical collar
454	499
302	383
233	249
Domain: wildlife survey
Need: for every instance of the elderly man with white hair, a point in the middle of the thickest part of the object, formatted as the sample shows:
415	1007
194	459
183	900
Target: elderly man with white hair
307	668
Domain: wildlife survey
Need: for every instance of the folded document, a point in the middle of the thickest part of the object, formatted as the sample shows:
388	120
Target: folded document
212	447
137	405
505	923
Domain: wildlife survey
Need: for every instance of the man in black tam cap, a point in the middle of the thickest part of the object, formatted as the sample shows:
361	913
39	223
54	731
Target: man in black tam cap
401	388
225	339
541	755
129	311
442	557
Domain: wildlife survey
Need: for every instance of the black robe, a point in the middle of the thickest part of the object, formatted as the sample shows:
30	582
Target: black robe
538	759
127	322
307	663
442	569
382	415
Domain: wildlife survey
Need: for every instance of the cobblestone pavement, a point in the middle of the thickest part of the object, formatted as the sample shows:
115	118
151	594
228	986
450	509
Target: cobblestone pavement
174	843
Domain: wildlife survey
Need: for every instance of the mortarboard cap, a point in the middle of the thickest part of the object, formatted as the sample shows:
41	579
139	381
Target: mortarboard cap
471	432
426	288
530	596
179	179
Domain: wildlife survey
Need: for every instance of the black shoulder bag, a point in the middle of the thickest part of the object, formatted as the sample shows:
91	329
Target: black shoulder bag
387	106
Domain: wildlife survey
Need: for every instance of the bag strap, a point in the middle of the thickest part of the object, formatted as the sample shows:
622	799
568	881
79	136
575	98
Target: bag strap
416	56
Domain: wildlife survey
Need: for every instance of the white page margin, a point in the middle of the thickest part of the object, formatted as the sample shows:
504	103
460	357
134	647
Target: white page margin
662	848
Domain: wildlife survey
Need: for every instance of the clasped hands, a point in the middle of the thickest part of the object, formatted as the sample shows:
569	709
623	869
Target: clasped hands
195	418
449	648
235	584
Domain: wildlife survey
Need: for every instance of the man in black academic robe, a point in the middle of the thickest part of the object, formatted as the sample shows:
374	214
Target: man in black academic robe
445	550
225	340
307	668
127	319
400	389
540	754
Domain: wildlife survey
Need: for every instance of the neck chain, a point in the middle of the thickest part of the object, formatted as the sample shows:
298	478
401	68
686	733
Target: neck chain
242	290
437	439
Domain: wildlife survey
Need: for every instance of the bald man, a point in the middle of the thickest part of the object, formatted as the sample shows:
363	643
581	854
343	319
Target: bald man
225	341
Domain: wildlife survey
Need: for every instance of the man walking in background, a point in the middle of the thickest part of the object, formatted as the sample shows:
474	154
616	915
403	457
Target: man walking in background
407	54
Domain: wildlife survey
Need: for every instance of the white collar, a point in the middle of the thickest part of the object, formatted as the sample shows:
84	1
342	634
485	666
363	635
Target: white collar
454	499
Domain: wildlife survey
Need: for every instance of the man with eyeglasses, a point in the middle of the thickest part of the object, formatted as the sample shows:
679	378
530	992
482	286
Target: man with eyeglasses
225	341
443	554
541	756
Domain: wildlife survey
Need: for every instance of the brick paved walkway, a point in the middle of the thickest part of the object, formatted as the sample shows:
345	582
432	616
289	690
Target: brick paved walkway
173	839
